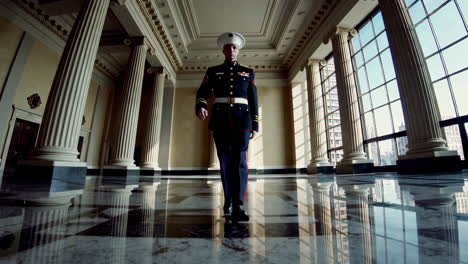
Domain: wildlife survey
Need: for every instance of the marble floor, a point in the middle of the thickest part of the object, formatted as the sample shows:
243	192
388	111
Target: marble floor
375	218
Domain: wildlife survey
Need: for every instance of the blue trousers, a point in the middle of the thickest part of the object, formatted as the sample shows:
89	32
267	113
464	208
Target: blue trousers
232	147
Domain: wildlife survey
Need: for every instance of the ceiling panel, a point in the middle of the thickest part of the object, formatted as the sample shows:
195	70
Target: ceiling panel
246	16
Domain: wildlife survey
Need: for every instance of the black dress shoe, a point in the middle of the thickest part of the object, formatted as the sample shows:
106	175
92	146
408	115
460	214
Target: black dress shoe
238	215
227	211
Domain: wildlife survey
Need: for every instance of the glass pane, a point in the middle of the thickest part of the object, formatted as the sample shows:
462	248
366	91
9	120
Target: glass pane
387	63
448	24
370	51
436	69
366	33
387	152
379	96
409	2
426	38
397	114
373	153
417	12
452	134
464	7
374	71
444	100
370	127
460	91
378	23
382	41
362	79
432	5
355	42
358	60
401	145
392	88
456	57
383	122
366	103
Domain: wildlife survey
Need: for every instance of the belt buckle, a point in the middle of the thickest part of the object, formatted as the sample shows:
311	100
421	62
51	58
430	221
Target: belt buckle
230	100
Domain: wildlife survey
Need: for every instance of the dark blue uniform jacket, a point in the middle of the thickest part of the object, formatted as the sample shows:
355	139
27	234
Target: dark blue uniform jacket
230	80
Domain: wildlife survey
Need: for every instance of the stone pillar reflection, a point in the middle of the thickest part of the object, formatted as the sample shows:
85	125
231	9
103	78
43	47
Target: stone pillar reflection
127	118
150	148
353	150
146	199
420	110
307	250
117	199
256	205
44	221
359	224
324	237
318	141
61	123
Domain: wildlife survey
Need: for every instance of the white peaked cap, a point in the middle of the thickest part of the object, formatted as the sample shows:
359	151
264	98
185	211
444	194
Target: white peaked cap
231	38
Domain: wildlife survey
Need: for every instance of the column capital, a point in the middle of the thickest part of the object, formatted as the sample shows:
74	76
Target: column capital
310	61
338	31
137	41
157	70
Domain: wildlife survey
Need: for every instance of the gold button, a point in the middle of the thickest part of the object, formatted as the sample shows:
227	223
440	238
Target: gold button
232	86
232	73
230	68
231	105
233	80
230	93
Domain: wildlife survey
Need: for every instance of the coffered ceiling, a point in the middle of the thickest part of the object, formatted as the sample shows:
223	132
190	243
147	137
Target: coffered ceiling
271	28
276	31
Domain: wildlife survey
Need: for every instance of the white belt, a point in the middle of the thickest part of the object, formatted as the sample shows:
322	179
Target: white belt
231	100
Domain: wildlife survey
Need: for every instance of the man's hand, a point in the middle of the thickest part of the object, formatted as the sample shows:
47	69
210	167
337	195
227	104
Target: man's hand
252	134
202	113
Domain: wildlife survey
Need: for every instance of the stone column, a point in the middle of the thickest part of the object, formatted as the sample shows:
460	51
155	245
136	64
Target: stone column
214	161
324	228
127	118
150	149
359	224
61	123
354	159
319	162
427	149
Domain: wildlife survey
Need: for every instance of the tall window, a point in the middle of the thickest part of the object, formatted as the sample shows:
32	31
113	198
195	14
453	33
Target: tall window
442	28
380	105
332	112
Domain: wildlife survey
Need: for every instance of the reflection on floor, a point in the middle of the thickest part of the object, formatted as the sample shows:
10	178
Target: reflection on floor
382	218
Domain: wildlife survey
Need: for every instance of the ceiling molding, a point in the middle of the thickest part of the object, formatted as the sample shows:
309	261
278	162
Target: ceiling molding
152	18
310	31
54	27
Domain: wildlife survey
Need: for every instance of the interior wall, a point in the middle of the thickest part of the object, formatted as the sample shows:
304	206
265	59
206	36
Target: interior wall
10	37
272	148
190	136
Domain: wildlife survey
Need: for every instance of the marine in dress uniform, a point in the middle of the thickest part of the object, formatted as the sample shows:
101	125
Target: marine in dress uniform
234	119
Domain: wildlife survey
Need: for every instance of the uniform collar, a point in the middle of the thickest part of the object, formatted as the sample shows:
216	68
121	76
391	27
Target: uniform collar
232	63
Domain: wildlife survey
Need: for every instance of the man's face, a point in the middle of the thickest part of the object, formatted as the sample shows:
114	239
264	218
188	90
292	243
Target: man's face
231	51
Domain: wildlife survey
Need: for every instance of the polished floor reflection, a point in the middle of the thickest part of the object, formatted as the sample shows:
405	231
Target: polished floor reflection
377	218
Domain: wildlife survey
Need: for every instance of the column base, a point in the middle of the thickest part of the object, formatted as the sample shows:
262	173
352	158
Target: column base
48	176
214	171
120	175
355	167
150	171
440	162
320	169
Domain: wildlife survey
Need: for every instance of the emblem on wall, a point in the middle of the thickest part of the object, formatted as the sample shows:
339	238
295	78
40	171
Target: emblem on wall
34	101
